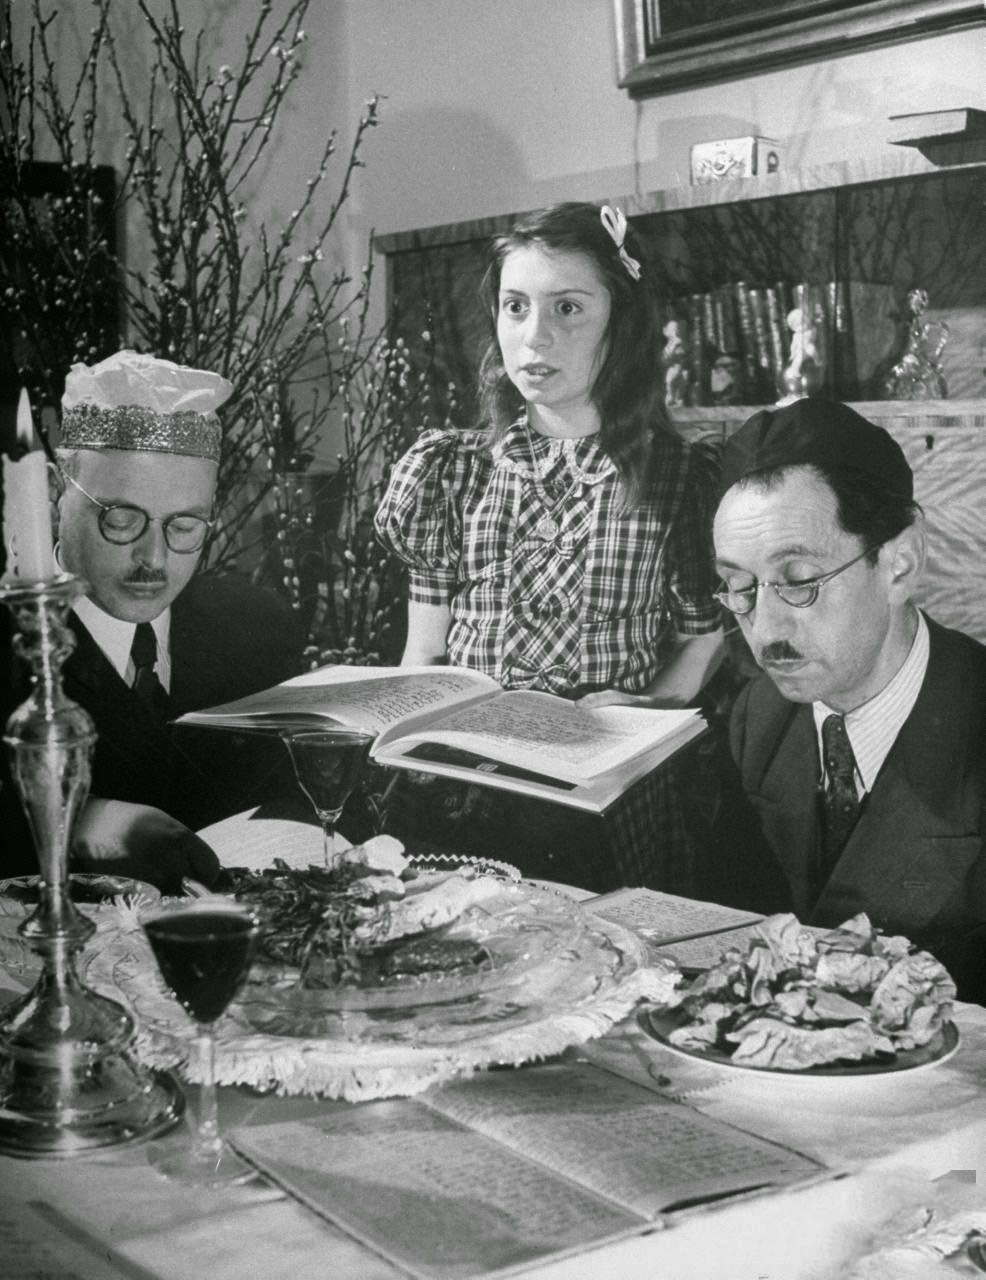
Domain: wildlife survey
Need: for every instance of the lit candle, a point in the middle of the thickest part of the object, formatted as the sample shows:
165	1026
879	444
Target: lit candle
26	518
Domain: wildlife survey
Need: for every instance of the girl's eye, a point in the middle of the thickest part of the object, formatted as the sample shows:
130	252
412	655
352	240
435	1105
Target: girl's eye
512	307
567	308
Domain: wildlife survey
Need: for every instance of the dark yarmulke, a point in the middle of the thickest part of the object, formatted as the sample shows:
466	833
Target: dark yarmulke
813	432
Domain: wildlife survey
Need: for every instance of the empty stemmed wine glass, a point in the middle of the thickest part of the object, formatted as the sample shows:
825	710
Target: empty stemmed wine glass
203	949
328	764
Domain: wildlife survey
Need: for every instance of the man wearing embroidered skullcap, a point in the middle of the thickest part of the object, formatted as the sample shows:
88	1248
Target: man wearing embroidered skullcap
137	465
860	748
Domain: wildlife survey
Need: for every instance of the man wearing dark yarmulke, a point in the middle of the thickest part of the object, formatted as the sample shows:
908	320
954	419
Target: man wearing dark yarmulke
861	748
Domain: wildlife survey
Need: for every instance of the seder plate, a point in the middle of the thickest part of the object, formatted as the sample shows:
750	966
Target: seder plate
516	932
574	992
543	950
590	974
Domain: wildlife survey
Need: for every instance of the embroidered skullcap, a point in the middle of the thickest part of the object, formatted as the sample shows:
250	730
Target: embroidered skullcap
134	401
816	432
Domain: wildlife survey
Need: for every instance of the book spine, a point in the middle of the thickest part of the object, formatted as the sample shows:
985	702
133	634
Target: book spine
709	325
842	371
719	321
758	309
726	309
748	340
697	358
776	330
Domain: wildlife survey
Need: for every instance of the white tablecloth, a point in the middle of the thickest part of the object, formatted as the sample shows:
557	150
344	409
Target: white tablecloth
892	1135
896	1144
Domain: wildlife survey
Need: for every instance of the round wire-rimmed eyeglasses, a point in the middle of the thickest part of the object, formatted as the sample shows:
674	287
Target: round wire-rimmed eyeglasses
799	595
122	523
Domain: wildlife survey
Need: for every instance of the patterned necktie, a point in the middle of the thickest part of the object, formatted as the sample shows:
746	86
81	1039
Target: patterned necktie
143	654
841	801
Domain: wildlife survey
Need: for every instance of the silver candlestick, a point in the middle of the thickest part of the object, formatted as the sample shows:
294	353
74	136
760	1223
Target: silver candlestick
68	1083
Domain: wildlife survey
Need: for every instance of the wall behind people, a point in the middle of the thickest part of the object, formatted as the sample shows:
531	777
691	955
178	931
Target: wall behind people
495	108
514	105
492	108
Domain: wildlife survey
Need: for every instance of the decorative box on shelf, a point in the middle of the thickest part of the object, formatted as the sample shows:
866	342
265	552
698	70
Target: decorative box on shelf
746	157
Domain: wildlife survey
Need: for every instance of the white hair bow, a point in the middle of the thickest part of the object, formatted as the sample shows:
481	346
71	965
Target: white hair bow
615	222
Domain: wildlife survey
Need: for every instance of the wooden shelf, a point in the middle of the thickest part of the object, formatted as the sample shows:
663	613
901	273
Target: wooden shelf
902	162
921	416
943	410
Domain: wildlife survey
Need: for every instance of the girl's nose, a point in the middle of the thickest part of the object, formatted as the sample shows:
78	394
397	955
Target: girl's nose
538	331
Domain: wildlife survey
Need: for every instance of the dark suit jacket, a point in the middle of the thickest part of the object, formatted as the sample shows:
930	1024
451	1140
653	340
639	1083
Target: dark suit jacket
228	639
916	860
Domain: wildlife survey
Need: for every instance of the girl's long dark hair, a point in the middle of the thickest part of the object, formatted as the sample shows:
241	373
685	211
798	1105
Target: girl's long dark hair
628	391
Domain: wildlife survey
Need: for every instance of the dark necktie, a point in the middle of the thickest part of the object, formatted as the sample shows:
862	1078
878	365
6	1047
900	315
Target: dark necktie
143	654
841	801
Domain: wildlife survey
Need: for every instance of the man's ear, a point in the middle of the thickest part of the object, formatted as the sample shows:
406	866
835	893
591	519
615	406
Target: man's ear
907	555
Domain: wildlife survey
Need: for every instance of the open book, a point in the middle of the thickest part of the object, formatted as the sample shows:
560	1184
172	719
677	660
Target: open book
692	933
461	724
510	1167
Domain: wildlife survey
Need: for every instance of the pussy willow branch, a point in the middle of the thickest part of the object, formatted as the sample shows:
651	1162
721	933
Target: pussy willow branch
207	285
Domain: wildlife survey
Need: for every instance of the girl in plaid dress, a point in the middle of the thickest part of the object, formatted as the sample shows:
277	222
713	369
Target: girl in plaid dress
565	546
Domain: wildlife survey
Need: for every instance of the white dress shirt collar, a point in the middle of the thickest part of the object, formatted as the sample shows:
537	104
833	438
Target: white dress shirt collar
115	637
873	728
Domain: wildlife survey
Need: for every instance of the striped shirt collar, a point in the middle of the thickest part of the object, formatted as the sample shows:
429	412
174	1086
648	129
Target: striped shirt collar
873	727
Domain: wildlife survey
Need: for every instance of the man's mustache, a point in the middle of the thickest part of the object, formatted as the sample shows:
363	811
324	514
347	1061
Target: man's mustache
146	577
779	651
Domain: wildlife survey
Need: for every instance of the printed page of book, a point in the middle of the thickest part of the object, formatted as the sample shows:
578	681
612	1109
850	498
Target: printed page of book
626	1143
551	735
370	698
438	1199
253	841
666	917
595	795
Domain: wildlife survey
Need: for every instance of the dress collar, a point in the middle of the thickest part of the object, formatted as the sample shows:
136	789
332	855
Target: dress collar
584	456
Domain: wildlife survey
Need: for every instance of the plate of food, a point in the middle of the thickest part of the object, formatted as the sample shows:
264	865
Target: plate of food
848	1003
386	933
379	953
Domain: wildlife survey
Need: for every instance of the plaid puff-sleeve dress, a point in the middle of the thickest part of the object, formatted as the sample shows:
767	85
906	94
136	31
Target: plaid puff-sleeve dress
553	586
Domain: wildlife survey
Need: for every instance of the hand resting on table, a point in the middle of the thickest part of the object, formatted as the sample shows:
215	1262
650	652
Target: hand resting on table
114	837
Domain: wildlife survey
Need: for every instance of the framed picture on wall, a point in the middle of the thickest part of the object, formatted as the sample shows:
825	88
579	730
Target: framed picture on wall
664	45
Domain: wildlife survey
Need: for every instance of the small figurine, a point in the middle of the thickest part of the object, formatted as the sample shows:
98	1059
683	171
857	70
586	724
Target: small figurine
918	375
803	373
726	379
674	361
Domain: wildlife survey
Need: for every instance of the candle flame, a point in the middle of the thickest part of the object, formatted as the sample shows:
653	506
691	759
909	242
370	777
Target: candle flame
25	423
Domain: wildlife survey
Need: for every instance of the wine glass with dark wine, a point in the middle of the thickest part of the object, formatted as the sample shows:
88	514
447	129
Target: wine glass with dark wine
203	949
328	764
